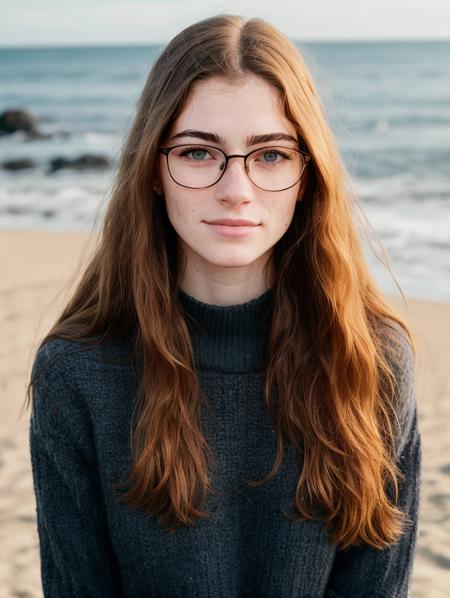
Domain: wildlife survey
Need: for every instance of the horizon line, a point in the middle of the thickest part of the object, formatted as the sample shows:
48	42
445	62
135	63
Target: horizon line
146	44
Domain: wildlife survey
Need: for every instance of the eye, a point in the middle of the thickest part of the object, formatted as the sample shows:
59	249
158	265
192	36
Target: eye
271	156
197	153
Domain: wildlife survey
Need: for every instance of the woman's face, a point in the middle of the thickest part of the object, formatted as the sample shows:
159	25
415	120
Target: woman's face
234	113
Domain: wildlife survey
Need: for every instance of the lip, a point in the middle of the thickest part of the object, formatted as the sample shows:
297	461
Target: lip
233	231
232	222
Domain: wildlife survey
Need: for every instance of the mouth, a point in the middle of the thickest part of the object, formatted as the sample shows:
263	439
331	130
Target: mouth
230	222
233	230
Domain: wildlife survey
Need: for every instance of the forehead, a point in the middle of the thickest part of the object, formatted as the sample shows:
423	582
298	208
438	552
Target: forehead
251	106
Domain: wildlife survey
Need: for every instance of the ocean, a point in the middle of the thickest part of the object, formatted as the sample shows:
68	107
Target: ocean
388	104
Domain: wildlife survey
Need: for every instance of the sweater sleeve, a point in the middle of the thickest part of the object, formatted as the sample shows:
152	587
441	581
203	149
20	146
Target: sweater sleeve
76	555
363	571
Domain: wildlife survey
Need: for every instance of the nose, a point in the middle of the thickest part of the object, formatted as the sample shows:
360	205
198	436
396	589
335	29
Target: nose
235	186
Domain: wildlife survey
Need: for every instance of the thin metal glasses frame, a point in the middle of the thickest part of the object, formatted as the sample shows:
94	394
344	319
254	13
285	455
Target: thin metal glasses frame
167	150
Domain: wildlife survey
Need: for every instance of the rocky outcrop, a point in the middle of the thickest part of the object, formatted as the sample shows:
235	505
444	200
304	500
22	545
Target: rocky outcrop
12	121
83	162
18	164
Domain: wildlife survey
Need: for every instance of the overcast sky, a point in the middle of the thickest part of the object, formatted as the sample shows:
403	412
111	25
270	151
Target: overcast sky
83	22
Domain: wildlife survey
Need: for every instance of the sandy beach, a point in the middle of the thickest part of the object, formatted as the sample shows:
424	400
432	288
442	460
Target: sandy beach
36	269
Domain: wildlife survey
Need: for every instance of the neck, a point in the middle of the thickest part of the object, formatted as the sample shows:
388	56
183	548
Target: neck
225	285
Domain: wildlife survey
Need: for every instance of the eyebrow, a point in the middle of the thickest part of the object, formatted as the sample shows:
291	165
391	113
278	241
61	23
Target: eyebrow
251	140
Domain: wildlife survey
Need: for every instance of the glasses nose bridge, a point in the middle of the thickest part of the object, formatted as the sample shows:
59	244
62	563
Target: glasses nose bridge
228	158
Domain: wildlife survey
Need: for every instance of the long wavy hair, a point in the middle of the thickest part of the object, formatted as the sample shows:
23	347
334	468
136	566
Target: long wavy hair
328	349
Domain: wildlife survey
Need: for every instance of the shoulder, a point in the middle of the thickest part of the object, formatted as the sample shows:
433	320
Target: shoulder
63	358
399	353
398	350
68	377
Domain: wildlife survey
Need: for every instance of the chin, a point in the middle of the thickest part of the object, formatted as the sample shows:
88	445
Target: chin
232	261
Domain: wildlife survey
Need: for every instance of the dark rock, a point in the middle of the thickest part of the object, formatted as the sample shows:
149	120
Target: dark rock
19	164
58	164
12	121
84	162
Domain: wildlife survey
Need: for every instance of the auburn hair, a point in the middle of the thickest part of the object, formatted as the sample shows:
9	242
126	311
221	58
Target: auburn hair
329	354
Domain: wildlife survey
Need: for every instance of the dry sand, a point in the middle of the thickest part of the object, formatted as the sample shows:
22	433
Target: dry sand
35	269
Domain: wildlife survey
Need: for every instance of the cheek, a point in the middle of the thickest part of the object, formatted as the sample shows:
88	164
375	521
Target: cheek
281	211
175	210
181	210
172	196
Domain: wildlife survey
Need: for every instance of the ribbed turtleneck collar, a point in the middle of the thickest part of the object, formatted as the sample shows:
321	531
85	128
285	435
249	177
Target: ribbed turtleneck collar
229	338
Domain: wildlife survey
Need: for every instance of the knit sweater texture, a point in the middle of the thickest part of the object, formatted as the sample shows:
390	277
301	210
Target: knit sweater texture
93	545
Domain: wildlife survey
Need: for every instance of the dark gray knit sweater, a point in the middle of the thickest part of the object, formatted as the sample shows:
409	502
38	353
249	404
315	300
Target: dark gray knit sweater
91	545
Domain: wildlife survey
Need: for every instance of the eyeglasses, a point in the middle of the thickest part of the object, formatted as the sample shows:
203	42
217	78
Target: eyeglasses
273	168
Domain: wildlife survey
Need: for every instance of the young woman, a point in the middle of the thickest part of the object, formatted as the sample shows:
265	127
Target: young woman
226	407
